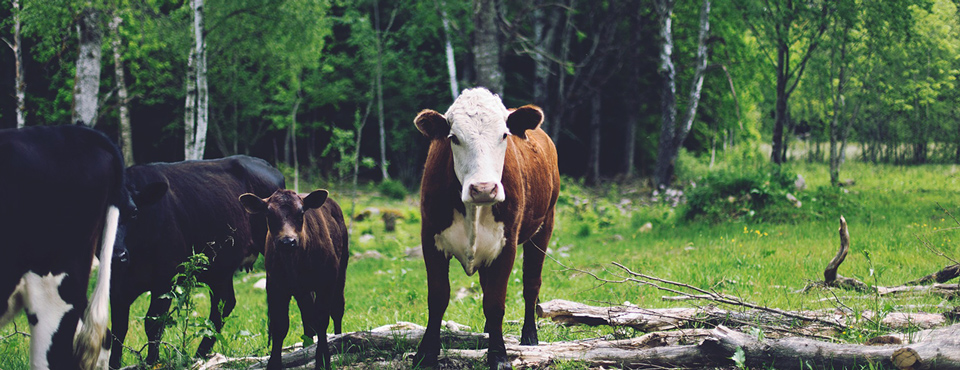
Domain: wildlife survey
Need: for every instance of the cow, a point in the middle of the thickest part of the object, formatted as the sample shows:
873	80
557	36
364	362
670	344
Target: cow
305	256
61	194
490	182
185	208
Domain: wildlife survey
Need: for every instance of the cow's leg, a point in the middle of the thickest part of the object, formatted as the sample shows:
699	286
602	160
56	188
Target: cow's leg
153	323
278	307
120	320
308	313
438	296
322	315
222	301
53	310
534	251
493	281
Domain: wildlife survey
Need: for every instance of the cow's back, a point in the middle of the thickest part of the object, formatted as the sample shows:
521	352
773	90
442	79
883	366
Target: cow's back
200	212
531	165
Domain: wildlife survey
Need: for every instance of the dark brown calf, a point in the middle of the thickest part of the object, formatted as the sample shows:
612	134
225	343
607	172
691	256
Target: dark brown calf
306	257
489	183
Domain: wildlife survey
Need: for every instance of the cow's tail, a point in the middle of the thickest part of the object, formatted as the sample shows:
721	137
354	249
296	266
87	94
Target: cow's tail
88	343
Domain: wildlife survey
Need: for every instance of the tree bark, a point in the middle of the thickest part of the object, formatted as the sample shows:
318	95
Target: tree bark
293	135
839	103
196	107
448	47
593	176
126	132
86	89
190	107
486	46
379	82
20	79
671	134
567	33
545	23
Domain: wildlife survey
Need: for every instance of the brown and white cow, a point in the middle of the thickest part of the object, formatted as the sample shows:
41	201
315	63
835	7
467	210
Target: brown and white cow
490	182
305	257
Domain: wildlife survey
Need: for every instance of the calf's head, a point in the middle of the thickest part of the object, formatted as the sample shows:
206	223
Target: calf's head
478	126
284	210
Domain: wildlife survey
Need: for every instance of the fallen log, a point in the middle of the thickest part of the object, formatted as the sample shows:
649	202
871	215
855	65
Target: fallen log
647	320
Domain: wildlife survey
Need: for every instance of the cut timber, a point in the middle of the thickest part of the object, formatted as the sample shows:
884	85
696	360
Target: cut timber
948	273
934	349
647	320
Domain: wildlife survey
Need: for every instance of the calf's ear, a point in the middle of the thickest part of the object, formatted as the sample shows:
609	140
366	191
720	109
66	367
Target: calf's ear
150	194
252	203
527	117
315	199
432	124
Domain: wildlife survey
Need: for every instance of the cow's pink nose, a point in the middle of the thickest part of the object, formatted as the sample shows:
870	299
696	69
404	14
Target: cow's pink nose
482	192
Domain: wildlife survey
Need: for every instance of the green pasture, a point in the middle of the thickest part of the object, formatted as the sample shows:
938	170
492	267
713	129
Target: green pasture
897	217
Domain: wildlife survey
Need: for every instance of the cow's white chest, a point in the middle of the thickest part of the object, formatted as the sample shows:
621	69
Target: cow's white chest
475	239
40	295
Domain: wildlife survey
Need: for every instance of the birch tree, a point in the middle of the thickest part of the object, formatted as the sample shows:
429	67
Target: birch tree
86	86
20	79
448	48
672	135
126	132
197	96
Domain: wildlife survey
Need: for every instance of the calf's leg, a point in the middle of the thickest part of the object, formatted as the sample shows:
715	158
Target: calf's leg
120	321
308	313
278	308
322	314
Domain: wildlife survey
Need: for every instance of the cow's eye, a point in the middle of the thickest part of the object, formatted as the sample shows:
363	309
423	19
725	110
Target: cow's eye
453	138
505	135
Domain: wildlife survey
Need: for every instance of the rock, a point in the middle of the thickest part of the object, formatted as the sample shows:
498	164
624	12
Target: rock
794	199
368	254
414	253
647	227
453	326
848	182
800	184
366	238
260	284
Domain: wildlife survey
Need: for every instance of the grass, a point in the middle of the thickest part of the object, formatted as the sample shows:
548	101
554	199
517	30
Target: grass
893	213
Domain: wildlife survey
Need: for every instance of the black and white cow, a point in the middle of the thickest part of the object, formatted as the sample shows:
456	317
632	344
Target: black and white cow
61	192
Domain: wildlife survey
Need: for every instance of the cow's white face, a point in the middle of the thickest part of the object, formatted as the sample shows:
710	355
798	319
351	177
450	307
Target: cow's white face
478	127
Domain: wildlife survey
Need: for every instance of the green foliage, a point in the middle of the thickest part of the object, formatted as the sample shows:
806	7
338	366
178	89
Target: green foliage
393	189
183	317
732	195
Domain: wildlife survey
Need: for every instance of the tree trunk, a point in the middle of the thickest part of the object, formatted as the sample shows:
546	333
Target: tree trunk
190	108
630	141
544	33
672	135
126	132
196	106
780	110
448	46
486	46
562	76
383	135
838	110
86	88
593	162
202	90
20	82
293	136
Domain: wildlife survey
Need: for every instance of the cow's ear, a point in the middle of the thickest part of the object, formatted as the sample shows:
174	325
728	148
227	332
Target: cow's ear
252	203
150	194
315	199
527	117
432	124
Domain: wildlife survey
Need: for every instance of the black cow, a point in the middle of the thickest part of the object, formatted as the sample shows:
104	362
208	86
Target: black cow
306	257
61	192
185	208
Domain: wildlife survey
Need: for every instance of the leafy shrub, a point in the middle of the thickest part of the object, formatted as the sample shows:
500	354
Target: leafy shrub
393	189
735	194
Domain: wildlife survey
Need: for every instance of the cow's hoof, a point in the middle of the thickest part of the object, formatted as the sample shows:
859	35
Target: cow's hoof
529	338
425	361
498	361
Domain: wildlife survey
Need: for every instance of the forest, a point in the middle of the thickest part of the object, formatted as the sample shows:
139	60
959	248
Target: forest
331	87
